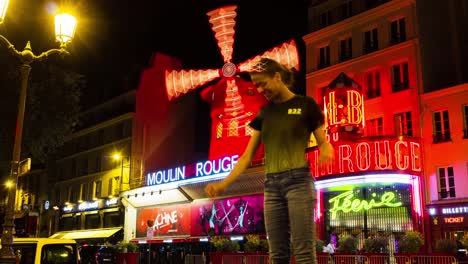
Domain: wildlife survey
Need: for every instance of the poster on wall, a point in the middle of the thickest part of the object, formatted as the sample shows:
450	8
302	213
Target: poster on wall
236	215
168	221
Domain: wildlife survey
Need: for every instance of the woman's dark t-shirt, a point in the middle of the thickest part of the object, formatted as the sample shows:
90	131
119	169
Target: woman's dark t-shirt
285	131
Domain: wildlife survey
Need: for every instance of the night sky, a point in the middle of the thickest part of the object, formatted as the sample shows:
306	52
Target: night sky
115	38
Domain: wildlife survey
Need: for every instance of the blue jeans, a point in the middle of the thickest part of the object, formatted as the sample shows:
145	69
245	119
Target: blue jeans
289	216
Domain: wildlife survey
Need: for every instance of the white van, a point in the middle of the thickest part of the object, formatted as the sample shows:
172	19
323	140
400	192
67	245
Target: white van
46	251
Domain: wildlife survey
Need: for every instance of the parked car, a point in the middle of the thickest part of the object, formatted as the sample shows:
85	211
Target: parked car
106	255
46	250
92	254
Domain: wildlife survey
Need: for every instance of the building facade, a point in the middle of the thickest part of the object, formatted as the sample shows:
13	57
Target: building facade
445	119
392	49
96	163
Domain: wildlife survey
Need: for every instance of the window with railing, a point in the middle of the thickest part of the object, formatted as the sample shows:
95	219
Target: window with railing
400	77
374	127
325	18
97	189
372	84
404	124
446	182
371	41
397	31
346	49
85	191
465	121
346	9
441	126
324	57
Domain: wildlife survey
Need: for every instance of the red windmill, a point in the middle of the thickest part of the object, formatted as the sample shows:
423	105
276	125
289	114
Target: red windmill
234	101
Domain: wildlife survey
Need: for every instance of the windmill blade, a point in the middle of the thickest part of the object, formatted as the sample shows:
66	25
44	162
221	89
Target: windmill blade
222	22
285	54
183	81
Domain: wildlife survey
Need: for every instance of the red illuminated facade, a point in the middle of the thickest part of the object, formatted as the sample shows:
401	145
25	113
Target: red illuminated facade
380	45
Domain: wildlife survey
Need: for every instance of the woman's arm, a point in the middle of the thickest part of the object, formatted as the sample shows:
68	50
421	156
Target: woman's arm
213	189
327	153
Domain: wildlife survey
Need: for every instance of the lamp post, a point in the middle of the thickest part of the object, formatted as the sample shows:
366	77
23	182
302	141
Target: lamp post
65	26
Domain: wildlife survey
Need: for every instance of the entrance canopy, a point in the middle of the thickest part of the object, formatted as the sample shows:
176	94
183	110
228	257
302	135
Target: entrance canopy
101	233
179	192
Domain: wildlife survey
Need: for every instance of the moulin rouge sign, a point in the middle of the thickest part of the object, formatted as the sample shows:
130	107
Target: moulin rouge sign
398	154
198	170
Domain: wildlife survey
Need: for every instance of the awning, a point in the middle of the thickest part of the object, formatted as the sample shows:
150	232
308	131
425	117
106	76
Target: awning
250	182
87	233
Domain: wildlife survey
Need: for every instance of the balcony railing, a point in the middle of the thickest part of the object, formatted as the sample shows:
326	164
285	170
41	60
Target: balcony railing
441	137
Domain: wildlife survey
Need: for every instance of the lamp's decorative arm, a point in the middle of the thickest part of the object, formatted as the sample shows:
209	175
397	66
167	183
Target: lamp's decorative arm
46	54
10	46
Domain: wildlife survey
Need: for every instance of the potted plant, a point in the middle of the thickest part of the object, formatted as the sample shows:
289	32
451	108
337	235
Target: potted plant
347	244
222	245
411	242
446	246
128	253
376	245
464	240
319	244
252	244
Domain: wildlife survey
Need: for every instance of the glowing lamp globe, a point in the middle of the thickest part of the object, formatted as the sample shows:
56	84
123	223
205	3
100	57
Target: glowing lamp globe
65	26
3	9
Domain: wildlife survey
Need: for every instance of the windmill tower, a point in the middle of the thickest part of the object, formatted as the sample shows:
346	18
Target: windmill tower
234	101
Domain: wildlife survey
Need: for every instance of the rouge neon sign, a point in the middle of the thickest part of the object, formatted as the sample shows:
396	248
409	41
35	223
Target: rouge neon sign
377	155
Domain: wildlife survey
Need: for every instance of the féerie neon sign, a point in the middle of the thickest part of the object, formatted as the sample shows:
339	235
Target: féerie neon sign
346	202
371	155
200	169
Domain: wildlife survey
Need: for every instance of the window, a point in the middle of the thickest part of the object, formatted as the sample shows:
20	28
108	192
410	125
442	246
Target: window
97	189
110	185
404	124
371	41
84	191
325	19
400	77
59	253
324	57
397	31
346	49
73	168
373	84
346	9
446	182
375	127
92	221
112	219
465	120
233	128
441	126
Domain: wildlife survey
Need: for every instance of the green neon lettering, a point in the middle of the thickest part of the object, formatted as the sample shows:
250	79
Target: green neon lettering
346	203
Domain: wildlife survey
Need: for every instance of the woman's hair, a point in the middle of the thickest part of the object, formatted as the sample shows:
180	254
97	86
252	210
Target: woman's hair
270	67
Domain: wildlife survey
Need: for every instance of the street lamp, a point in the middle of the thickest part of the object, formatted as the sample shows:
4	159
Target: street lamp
64	30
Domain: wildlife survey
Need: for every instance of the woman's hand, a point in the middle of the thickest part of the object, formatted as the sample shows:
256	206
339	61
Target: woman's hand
327	154
213	189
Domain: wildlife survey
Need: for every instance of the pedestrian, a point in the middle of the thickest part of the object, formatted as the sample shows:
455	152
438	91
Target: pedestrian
284	126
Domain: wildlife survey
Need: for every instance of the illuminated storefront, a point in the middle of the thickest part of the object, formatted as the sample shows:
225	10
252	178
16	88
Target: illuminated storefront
373	186
91	221
448	220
